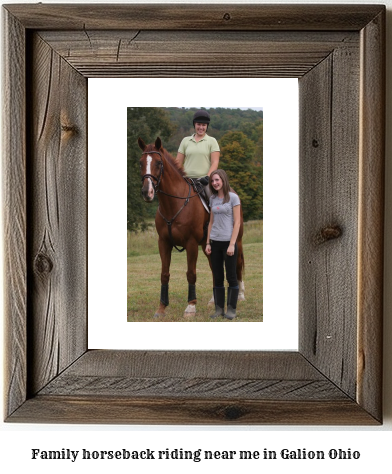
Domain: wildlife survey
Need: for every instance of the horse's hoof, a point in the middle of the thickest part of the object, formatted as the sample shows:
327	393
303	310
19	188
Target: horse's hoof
241	297
212	300
158	315
190	310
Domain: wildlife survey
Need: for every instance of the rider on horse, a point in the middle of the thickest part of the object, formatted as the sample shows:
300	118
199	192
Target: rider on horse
180	219
199	153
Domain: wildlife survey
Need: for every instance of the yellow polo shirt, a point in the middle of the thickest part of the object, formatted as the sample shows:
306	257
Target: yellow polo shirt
197	160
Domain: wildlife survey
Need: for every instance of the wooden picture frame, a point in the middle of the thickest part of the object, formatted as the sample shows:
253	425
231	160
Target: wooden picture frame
338	54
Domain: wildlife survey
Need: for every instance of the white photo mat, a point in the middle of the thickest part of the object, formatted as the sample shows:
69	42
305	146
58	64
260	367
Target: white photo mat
107	186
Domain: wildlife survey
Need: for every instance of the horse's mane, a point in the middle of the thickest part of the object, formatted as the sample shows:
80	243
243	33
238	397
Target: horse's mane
170	160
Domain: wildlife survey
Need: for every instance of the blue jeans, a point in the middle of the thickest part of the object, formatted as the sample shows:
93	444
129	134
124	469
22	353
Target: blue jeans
219	260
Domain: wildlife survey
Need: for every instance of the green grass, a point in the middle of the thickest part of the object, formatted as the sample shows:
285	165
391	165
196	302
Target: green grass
144	268
142	243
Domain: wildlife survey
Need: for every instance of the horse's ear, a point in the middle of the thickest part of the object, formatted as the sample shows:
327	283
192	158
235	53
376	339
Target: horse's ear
158	143
141	143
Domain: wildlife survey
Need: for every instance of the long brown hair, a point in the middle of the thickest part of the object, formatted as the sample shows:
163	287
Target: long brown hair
225	185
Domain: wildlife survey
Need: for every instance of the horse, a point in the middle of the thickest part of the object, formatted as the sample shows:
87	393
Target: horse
181	219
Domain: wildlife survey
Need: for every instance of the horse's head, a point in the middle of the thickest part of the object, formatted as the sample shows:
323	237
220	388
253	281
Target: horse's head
151	167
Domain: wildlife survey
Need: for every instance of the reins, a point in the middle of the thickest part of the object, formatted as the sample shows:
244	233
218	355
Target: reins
157	190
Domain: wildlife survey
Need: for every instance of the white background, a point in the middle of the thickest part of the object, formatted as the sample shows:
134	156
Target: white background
16	441
107	204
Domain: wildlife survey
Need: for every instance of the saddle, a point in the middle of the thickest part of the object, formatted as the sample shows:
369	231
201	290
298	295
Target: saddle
200	190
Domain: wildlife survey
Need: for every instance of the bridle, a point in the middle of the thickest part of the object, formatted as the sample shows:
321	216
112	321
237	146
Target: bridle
151	176
157	190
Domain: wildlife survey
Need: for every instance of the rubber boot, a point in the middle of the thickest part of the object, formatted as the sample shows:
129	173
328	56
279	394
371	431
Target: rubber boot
232	297
219	298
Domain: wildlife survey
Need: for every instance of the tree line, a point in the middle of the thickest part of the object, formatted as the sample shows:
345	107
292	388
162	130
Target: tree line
240	137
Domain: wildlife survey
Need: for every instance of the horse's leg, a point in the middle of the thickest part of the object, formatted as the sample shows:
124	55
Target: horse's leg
165	251
240	268
192	251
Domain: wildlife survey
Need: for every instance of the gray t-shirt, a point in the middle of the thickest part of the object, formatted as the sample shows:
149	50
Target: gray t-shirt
222	227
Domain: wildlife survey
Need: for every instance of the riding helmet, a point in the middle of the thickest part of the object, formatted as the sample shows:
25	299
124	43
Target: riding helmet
201	116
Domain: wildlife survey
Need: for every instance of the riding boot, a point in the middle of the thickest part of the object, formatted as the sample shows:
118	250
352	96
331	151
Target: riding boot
232	297
219	297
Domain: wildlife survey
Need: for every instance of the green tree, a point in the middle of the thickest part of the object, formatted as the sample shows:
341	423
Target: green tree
258	159
245	176
147	123
239	132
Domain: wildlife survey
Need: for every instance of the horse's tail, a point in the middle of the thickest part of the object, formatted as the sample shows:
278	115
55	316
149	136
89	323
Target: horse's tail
240	261
241	250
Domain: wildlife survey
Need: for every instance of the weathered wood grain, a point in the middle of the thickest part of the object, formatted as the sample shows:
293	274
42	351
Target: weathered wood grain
179	374
191	17
188	387
197	411
194	53
192	387
14	207
329	167
209	364
371	215
335	378
57	204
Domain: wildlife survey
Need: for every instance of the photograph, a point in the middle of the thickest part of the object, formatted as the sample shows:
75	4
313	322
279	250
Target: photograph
194	214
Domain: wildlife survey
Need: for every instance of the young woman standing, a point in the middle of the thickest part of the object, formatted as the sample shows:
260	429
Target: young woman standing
222	242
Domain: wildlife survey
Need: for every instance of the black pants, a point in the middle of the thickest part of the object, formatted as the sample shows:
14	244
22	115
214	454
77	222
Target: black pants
219	260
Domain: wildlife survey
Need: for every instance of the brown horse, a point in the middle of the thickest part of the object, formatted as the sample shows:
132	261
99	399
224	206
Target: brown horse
181	219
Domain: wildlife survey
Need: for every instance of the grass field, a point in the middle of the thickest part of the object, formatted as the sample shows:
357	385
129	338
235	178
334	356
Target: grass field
144	268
